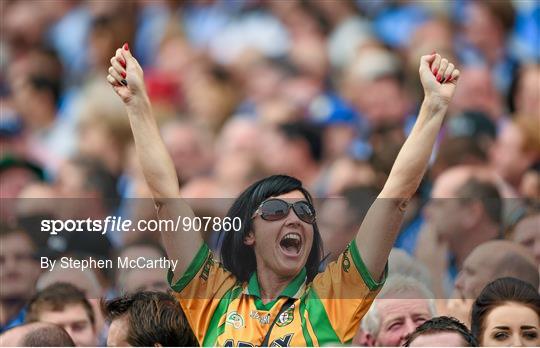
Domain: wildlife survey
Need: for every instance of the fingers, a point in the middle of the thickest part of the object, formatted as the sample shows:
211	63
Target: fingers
442	68
117	70
447	72
120	58
116	75
426	61
112	81
126	52
455	75
117	66
435	65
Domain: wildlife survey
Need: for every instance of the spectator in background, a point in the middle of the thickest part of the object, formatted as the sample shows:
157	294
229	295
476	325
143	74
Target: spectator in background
349	172
132	280
525	231
295	149
478	93
487	262
21	27
530	184
339	125
19	271
15	175
103	129
441	332
403	304
524	99
373	78
339	218
147	319
486	29
467	140
88	190
507	313
493	260
112	23
402	263
86	281
463	213
517	149
239	143
36	335
66	306
37	89
190	148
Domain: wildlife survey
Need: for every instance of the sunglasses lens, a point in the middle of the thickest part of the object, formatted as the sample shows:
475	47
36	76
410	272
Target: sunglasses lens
304	211
274	209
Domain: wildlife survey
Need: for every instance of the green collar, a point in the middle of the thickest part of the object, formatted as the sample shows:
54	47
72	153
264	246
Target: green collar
292	290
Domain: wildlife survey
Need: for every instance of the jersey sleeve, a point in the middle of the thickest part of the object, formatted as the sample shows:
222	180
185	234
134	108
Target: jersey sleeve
201	288
341	295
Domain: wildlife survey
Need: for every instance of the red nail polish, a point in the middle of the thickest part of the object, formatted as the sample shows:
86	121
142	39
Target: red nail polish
435	71
439	78
122	62
126	46
123	74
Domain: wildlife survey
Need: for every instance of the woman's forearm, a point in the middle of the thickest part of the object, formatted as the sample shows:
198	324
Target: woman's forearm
156	163
413	158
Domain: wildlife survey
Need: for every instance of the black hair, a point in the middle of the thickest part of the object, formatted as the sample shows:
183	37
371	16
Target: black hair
238	257
442	324
496	294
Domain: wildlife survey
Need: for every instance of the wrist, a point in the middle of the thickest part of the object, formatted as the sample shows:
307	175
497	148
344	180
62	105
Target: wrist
138	105
435	103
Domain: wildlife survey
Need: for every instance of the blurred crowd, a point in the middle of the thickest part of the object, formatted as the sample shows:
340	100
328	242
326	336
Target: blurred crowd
322	90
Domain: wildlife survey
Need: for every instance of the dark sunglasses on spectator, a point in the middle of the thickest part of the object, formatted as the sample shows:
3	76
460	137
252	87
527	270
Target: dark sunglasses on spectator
274	209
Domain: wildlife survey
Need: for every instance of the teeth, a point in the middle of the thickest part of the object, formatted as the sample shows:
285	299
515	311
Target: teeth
292	236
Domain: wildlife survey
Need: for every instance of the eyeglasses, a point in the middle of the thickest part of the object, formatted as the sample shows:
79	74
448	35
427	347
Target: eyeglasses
275	209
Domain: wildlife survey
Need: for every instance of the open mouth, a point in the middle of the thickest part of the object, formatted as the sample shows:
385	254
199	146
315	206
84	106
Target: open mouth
291	244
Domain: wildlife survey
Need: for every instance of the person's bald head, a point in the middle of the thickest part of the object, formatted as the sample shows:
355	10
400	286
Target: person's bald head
36	335
493	260
447	184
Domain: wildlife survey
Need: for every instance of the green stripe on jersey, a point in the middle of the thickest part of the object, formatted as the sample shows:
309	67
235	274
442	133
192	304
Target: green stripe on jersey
213	331
305	332
323	329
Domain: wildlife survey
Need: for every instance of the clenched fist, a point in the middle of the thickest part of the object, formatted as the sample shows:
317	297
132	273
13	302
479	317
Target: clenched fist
126	77
439	78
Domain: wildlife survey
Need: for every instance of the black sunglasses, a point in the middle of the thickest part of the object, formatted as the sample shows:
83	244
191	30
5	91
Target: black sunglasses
276	209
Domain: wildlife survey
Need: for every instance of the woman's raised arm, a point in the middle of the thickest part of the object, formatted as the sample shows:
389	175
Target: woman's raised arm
126	78
383	220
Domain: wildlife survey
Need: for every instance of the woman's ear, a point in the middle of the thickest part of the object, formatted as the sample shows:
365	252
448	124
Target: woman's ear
249	239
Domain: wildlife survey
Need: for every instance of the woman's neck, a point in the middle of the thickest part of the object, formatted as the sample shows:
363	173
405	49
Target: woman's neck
271	285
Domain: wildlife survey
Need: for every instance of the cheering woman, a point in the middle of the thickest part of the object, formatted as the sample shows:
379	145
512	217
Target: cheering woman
266	290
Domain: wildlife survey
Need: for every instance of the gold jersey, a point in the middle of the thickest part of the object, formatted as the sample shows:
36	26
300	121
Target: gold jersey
225	312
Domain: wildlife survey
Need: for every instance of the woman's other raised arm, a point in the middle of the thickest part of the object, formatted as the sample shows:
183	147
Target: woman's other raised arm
126	78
